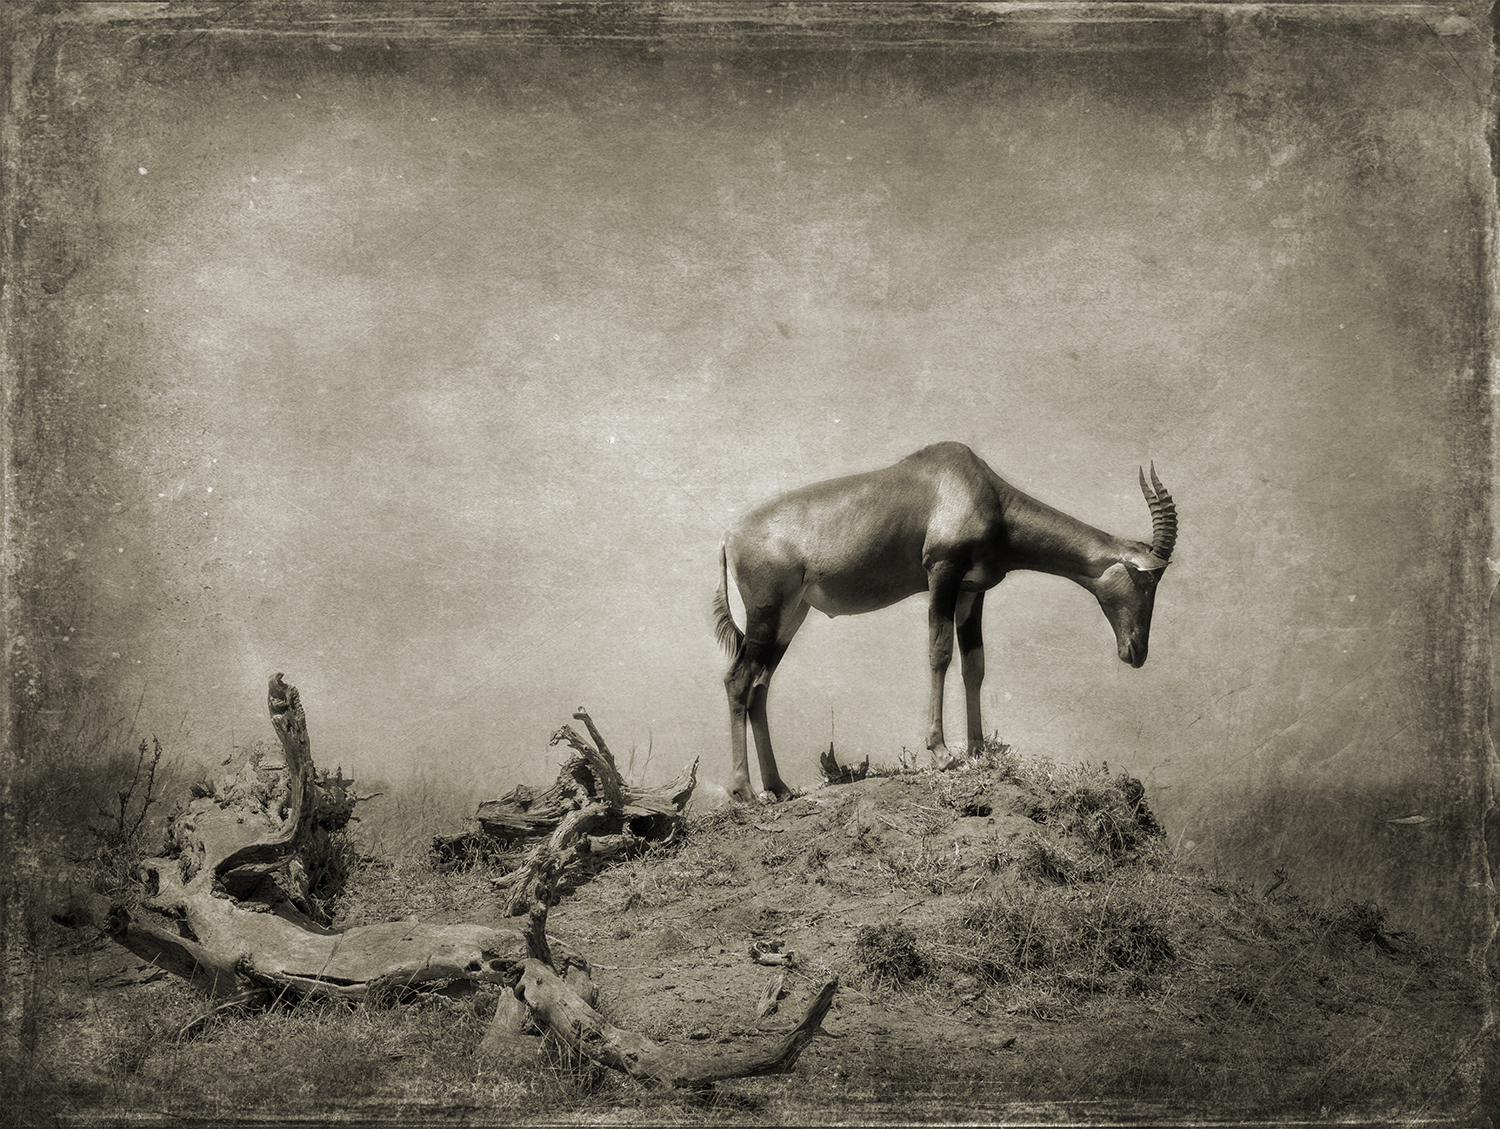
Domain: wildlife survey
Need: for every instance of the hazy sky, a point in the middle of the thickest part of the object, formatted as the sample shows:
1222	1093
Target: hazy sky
434	380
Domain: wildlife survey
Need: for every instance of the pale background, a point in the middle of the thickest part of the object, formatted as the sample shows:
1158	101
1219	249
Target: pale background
431	376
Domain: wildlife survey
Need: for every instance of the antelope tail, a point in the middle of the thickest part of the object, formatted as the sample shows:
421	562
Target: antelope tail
730	637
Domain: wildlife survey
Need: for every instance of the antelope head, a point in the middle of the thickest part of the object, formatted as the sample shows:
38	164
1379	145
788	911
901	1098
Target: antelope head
1126	590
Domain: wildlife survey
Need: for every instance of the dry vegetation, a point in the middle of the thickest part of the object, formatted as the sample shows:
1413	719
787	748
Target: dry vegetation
1014	938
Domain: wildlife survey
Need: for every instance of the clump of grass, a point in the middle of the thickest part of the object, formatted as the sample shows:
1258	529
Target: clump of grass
327	1052
1355	924
1047	860
475	849
1052	942
567	1077
665	872
907	763
693	865
996	756
1106	811
924	867
888	955
774	852
717	819
331	858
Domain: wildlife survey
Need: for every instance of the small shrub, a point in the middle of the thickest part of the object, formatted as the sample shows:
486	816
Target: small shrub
888	954
1108	813
995	754
331	858
119	829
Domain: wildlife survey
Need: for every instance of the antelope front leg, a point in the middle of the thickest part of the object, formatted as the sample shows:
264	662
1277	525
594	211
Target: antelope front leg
942	588
971	655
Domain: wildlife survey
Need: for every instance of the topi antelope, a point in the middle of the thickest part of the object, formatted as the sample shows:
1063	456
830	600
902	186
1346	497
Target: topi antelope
941	522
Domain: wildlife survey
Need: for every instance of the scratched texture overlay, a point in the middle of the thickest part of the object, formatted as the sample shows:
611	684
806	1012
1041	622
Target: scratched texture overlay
424	352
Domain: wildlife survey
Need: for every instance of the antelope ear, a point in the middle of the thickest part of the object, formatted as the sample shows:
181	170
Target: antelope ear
1148	562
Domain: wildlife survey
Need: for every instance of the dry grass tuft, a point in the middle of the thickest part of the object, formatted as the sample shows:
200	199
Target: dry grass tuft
887	955
1056	942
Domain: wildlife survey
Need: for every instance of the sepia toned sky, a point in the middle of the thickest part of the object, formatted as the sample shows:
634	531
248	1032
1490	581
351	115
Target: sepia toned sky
433	378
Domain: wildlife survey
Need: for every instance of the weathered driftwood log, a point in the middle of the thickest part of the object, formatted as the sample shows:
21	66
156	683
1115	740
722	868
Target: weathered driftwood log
558	1006
216	918
553	1002
588	818
228	950
588	777
770	999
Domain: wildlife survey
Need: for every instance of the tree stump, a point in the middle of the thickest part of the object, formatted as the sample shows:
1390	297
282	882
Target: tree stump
835	773
244	808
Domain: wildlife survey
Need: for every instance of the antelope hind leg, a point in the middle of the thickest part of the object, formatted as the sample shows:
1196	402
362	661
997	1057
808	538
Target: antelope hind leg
942	585
971	656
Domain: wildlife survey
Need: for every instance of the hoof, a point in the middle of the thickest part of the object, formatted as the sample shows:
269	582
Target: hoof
766	797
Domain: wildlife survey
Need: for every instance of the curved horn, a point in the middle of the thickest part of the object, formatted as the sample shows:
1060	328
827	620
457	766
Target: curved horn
1163	515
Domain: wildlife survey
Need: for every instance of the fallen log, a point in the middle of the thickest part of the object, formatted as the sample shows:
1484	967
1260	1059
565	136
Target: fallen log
223	913
510	1043
556	1005
770	999
240	823
228	950
589	776
588	818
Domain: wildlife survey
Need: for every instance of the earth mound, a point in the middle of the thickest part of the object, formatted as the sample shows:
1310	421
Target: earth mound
1013	932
